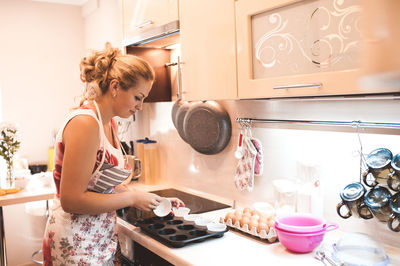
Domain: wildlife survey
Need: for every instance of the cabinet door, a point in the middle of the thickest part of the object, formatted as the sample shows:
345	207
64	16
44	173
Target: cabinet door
208	50
141	15
289	48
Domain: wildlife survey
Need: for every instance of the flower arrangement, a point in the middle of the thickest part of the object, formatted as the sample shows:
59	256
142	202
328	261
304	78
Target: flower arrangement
9	145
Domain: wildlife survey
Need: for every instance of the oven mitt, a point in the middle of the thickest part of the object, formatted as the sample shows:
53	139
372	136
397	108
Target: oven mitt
258	164
244	176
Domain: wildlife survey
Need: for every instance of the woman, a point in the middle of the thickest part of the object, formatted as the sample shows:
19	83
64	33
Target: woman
89	164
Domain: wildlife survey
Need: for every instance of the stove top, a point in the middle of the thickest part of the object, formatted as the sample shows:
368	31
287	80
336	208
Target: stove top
195	203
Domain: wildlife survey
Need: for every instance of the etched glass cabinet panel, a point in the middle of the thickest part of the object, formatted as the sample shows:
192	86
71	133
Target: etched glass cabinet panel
306	37
296	48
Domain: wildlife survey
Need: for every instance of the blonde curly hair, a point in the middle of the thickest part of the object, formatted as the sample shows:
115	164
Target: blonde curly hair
100	67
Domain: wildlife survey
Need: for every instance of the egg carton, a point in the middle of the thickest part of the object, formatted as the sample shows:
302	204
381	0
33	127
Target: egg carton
270	236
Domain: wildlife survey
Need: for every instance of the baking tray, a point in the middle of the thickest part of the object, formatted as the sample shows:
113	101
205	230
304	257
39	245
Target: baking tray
175	231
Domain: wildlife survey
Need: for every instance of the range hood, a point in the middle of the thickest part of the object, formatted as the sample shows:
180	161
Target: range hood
157	37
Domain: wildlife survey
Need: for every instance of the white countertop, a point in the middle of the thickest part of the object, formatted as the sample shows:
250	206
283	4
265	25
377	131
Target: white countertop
234	248
24	195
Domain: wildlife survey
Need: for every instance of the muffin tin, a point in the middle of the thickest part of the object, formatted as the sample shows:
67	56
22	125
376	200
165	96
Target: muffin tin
175	231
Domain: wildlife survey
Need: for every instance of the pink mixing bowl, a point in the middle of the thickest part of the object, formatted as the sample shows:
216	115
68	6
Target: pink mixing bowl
302	233
303	223
300	243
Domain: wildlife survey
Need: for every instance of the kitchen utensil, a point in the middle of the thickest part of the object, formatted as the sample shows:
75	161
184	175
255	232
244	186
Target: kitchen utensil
135	165
395	216
148	154
201	221
285	196
300	242
174	110
176	232
379	166
352	198
179	119
394	176
303	223
164	208
207	127
376	201
216	227
322	256
359	249
191	217
181	211
239	148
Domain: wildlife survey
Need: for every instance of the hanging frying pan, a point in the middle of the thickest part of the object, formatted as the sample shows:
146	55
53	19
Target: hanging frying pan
175	108
179	117
207	127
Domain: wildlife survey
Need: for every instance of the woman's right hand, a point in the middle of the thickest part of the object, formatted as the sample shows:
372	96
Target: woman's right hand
145	201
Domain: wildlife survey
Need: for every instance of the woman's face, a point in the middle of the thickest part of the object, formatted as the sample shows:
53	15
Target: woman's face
131	100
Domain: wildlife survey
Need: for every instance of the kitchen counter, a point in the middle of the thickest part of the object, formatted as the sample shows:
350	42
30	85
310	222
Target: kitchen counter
27	196
234	248
22	196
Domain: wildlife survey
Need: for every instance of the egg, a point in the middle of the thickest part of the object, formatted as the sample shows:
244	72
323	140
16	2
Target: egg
255	217
236	218
238	212
244	220
229	215
246	214
262	226
253	223
255	212
263	219
247	210
271	222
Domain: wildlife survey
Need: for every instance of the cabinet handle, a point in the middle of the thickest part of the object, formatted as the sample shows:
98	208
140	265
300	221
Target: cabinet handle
141	25
296	86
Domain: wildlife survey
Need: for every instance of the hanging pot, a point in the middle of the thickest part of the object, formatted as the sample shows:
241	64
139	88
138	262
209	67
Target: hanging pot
179	117
174	110
207	127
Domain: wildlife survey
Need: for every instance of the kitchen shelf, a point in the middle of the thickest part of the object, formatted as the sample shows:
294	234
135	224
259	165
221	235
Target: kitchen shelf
354	124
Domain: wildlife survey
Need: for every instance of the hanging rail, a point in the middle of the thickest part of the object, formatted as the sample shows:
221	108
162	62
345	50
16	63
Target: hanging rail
324	123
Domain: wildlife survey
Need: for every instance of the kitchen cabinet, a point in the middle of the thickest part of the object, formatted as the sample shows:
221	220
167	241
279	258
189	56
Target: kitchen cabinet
292	48
140	15
208	51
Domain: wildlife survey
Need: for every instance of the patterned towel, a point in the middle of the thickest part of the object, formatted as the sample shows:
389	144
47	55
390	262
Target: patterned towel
258	165
244	176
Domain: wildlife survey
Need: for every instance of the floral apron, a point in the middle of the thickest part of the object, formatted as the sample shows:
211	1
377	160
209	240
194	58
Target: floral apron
83	239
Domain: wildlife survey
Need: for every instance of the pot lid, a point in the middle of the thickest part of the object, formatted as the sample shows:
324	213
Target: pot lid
352	192
377	197
395	203
379	158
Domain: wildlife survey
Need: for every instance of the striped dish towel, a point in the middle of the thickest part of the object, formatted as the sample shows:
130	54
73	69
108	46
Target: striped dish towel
110	176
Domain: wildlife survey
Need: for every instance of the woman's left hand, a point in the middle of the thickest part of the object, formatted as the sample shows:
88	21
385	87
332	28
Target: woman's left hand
176	202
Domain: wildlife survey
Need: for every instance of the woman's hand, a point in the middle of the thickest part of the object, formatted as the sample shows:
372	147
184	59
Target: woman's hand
145	201
176	202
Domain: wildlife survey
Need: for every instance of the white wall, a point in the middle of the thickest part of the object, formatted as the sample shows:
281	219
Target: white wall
103	24
40	50
41	46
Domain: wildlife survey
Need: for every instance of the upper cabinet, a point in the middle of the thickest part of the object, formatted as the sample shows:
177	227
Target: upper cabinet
290	48
142	15
208	50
